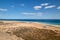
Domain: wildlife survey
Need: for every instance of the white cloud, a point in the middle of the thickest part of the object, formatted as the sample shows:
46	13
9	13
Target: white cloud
32	13
58	7
22	4
26	13
51	6
37	7
44	4
2	9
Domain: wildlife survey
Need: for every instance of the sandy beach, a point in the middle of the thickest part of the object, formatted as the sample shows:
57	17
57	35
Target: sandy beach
28	30
28	24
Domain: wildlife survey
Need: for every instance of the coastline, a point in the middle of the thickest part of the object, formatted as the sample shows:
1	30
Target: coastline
49	24
18	24
32	22
13	29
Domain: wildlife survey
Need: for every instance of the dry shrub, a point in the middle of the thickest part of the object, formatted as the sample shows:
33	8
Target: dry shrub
32	33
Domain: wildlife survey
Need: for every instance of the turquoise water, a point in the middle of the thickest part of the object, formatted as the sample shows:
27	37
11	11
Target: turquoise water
47	21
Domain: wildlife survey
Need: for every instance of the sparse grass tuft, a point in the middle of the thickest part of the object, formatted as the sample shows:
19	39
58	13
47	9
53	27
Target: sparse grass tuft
32	33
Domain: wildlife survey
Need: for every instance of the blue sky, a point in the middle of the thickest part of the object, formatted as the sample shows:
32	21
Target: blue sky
29	9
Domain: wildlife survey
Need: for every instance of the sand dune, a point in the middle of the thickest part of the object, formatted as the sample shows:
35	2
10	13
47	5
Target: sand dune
28	31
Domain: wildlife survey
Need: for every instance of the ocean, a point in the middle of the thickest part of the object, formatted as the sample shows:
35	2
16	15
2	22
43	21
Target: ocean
47	21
